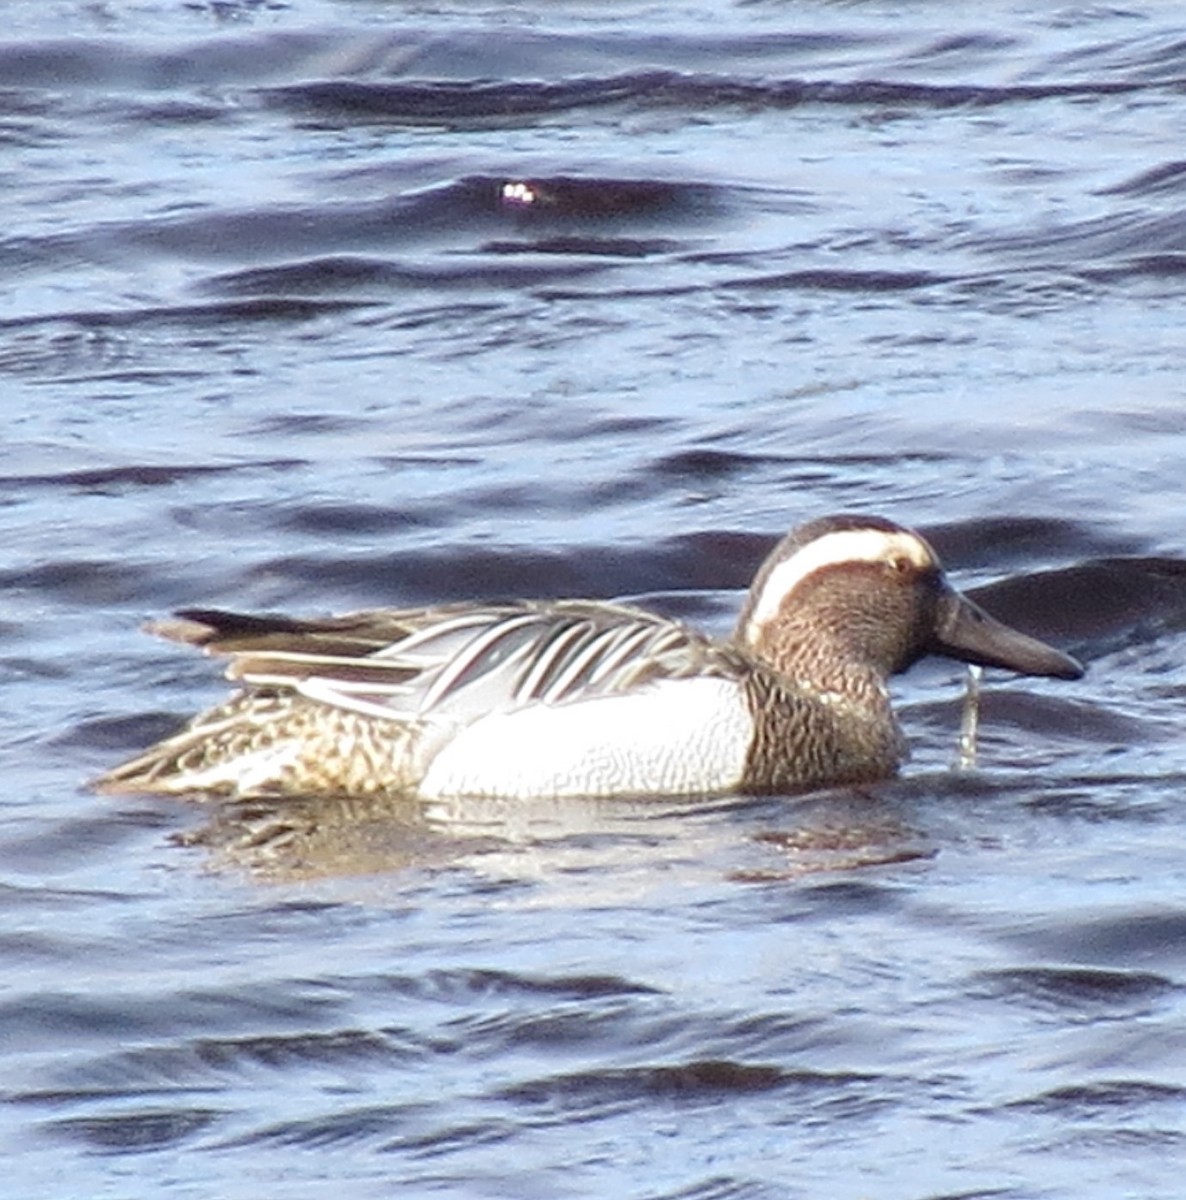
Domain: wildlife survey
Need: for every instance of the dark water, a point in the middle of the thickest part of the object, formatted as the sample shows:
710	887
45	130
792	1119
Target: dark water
327	304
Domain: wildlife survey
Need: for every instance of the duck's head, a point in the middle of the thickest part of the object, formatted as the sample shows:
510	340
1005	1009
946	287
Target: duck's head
855	592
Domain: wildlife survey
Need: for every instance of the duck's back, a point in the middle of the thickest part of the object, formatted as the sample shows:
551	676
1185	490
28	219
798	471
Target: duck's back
517	700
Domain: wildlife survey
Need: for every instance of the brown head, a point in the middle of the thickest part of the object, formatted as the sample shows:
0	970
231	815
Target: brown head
848	598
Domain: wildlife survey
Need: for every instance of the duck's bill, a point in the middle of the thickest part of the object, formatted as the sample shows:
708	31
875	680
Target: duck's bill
965	631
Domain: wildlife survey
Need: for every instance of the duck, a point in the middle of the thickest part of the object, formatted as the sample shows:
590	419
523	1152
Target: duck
586	698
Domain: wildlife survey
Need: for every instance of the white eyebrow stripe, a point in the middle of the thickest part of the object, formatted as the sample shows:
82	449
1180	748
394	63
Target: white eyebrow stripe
844	545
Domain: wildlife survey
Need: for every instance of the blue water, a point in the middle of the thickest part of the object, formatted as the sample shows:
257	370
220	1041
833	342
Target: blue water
328	304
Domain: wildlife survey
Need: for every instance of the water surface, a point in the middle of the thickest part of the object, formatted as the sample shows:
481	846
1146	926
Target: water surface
328	304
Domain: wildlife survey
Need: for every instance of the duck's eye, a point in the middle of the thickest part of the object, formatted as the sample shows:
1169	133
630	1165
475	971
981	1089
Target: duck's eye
900	564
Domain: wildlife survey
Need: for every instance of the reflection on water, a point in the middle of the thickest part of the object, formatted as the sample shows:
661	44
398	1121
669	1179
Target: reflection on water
291	839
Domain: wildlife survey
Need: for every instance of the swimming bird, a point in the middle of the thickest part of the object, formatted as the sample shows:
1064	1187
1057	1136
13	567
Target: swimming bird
557	698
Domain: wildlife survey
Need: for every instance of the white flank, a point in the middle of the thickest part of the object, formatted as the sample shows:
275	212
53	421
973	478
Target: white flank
844	545
678	737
